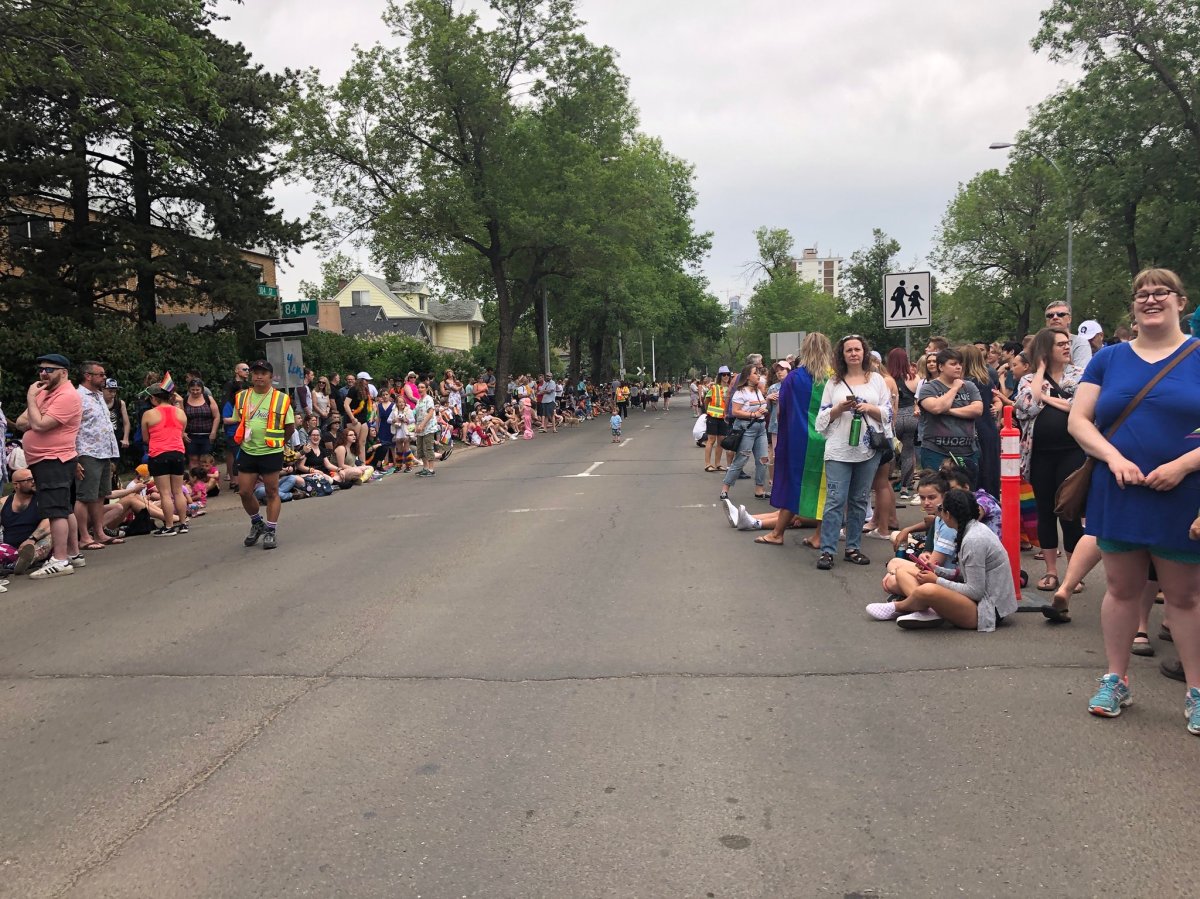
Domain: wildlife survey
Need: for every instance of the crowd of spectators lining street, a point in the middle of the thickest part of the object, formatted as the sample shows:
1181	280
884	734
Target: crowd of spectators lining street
350	431
838	432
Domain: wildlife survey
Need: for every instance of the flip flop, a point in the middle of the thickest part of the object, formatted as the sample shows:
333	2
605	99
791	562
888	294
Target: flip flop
1056	616
117	541
722	468
1142	649
1048	583
91	546
710	468
763	539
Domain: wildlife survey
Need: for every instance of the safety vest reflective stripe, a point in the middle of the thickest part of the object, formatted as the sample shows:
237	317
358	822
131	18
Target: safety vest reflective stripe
716	401
277	407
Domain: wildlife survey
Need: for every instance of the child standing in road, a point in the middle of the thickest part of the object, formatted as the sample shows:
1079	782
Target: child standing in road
615	424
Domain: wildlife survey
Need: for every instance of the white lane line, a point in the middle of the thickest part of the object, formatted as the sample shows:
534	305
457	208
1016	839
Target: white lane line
698	506
625	441
495	512
584	474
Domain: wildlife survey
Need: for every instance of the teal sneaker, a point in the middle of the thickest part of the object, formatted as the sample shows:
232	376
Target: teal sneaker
1191	709
1113	696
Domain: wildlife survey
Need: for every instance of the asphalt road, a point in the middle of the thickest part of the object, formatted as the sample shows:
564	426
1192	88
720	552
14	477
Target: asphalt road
554	670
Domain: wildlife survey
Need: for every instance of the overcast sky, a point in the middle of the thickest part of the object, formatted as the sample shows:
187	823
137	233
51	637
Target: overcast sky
828	119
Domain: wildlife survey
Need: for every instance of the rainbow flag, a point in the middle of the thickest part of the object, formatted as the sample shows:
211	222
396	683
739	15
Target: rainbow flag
1028	515
799	481
167	383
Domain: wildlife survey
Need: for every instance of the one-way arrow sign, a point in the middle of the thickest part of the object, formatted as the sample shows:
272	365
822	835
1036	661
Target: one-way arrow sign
275	328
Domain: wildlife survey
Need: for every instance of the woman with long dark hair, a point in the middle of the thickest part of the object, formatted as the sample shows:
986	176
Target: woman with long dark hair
985	593
1049	454
905	375
750	411
854	402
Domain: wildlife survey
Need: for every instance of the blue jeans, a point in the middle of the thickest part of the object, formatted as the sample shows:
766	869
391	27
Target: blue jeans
287	483
933	458
846	484
754	441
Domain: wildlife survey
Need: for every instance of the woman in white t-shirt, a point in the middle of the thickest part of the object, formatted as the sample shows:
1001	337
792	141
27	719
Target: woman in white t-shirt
749	412
855	402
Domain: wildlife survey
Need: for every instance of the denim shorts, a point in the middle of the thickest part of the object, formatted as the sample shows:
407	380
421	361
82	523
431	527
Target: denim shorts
1163	552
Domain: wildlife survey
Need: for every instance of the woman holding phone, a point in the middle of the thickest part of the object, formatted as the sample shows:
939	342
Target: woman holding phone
984	596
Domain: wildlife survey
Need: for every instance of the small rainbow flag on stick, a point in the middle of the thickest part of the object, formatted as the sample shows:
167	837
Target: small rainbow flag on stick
167	383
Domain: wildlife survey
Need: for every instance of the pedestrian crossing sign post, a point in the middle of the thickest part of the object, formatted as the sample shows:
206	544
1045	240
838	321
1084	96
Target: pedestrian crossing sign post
906	300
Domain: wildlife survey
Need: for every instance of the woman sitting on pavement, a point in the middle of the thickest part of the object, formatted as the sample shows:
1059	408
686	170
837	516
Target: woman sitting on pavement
983	597
315	459
938	546
346	458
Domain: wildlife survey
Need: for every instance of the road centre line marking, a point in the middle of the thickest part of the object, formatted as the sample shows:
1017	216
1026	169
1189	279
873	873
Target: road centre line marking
584	474
623	442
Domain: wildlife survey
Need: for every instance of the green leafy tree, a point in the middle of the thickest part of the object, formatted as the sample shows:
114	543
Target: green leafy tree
1003	236
335	269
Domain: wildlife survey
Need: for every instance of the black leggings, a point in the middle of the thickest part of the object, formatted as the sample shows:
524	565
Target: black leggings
1047	471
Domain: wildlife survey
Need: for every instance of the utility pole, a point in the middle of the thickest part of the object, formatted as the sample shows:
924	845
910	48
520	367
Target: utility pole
621	352
653	367
545	331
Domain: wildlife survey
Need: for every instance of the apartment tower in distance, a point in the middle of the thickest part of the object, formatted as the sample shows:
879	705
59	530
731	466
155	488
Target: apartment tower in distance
823	271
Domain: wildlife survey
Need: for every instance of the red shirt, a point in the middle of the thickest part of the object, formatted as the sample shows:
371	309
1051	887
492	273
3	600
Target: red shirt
63	405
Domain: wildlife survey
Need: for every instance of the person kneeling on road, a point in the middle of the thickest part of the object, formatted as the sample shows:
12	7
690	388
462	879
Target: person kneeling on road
984	597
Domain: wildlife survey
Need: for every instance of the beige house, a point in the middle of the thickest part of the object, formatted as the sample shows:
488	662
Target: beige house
407	306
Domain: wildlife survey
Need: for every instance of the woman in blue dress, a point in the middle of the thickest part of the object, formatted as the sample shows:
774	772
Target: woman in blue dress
1145	491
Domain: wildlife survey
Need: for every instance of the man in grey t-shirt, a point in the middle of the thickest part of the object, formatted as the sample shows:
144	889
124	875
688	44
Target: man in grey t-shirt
949	407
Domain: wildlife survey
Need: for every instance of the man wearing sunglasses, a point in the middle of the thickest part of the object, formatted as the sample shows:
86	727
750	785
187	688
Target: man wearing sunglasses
51	424
1058	316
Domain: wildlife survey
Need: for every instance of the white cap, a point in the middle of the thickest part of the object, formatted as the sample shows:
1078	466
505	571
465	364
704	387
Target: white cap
363	376
1090	329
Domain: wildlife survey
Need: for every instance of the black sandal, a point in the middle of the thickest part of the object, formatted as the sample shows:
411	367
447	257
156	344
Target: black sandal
1057	616
1142	649
855	557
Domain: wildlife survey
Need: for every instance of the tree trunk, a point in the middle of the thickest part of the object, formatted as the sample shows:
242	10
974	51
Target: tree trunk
1130	213
575	364
81	222
506	324
147	310
596	345
540	310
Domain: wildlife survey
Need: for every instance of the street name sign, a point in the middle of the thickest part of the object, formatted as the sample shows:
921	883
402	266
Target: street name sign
906	300
275	328
290	308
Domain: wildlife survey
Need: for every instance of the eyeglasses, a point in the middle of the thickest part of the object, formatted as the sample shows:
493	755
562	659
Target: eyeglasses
1160	293
1062	346
1058	315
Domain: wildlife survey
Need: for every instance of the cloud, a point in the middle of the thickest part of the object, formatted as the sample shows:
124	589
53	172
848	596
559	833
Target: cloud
828	119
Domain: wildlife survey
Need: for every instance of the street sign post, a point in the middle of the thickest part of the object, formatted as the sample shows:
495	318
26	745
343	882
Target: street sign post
292	308
906	300
275	328
287	359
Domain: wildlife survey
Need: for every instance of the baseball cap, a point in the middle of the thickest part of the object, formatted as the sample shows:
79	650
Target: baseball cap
363	376
112	384
1090	329
54	359
262	365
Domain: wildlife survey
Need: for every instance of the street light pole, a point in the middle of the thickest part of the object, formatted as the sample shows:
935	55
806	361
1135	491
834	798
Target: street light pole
1004	145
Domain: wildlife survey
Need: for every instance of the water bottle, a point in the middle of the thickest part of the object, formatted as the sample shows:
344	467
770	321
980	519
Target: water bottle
856	428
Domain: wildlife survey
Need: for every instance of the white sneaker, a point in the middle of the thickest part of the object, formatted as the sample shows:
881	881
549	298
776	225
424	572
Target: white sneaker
915	501
746	521
926	618
53	568
78	561
731	513
882	611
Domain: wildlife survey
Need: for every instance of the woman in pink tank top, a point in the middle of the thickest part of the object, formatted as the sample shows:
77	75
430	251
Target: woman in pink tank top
162	431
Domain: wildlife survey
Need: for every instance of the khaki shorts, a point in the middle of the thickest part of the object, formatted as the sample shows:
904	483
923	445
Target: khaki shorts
97	475
425	444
